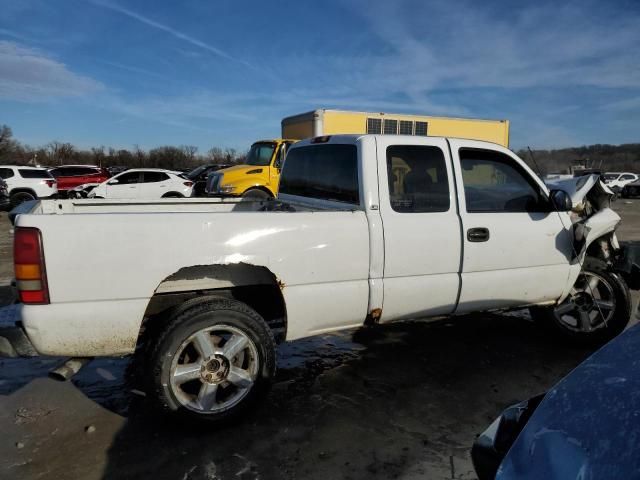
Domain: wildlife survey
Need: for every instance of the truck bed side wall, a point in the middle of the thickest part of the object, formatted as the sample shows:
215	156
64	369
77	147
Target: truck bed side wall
321	260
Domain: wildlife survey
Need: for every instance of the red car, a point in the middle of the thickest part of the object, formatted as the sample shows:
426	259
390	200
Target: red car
71	176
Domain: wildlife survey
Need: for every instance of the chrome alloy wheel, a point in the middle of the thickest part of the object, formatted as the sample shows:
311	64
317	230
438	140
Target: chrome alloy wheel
214	369
589	306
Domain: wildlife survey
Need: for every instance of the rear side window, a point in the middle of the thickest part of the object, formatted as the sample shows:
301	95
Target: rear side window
152	177
26	173
325	172
417	177
494	182
6	173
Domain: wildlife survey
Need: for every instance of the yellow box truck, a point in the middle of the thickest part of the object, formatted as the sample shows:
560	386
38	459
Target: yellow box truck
260	175
331	122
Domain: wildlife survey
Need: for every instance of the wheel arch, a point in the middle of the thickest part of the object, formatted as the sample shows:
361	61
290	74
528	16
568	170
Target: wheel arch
256	286
23	190
259	187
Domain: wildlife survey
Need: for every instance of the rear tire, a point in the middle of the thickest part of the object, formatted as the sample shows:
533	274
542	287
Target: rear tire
212	361
597	309
21	197
172	195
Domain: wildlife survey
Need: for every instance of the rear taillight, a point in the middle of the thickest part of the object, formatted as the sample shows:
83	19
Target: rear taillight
28	260
50	183
188	184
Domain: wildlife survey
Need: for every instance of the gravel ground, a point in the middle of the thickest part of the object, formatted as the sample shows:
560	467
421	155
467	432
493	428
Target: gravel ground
400	401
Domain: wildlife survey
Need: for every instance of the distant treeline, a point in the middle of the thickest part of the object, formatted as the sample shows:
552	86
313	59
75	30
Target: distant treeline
606	158
58	153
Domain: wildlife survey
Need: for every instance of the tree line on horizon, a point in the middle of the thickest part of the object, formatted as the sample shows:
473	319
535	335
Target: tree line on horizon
603	157
58	153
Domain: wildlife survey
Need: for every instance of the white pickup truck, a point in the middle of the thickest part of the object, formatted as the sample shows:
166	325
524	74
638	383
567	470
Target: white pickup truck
366	229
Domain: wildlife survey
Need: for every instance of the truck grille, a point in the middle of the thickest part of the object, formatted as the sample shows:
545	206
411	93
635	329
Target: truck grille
213	183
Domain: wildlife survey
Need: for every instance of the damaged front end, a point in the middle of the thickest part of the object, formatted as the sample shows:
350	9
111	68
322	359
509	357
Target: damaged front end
594	225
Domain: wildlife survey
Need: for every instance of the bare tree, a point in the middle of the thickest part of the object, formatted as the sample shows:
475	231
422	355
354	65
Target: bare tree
7	144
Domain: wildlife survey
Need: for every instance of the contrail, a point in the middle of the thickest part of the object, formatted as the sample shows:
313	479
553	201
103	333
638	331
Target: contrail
177	34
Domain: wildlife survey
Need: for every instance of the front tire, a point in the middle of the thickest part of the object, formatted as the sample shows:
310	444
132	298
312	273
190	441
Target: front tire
212	361
597	309
256	194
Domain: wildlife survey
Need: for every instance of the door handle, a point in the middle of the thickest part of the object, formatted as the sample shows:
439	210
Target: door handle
480	234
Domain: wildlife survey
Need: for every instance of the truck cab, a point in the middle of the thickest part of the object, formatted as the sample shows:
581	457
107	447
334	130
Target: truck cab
258	177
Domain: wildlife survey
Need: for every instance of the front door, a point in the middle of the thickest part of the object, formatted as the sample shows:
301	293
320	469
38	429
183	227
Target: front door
516	248
126	186
422	238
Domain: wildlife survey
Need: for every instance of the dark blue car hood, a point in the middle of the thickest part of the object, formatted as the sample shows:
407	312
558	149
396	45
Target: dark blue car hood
588	425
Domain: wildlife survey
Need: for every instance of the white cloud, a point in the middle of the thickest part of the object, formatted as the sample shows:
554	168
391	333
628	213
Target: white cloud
437	44
28	75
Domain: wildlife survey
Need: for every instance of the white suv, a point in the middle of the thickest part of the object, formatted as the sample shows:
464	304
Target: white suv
144	183
28	183
617	180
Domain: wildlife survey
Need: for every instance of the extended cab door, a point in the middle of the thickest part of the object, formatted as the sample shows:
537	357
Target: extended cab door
516	248
422	236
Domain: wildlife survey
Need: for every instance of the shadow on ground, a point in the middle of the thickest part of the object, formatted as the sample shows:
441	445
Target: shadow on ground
404	400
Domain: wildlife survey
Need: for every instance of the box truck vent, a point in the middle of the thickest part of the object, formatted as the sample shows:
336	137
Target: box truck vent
374	125
406	127
421	128
390	127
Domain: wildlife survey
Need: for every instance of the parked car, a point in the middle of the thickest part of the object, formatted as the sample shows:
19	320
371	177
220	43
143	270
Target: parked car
366	229
199	177
28	183
144	183
617	180
5	202
631	190
70	176
585	427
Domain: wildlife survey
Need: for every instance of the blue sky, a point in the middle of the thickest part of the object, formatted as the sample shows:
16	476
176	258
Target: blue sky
224	73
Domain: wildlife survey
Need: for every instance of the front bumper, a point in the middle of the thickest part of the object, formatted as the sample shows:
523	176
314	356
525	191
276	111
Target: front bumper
13	339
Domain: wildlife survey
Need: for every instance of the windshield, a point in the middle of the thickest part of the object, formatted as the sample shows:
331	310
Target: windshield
610	176
260	154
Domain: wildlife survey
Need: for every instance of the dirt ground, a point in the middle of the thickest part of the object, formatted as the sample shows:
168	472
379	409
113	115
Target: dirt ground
401	401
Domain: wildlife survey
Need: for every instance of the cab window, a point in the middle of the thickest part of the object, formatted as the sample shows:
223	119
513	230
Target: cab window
325	172
494	182
417	177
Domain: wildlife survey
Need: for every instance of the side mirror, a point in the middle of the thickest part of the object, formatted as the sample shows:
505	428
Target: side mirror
492	445
113	182
560	200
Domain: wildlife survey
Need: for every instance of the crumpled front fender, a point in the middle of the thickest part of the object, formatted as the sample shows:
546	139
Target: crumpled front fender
586	232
